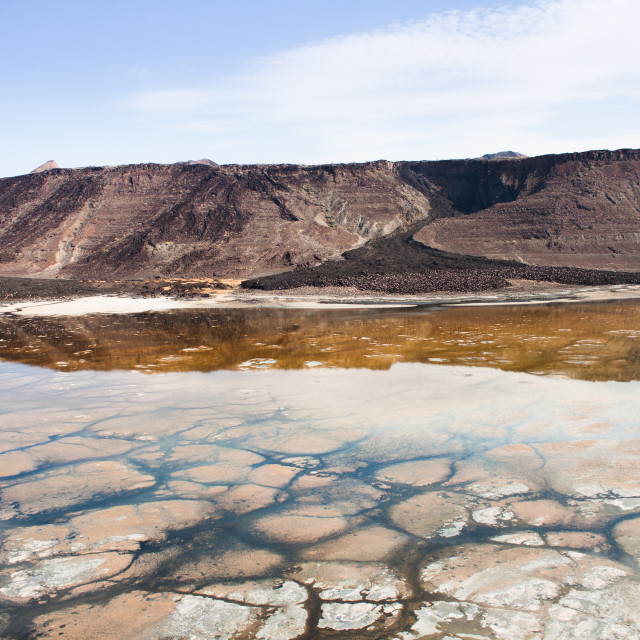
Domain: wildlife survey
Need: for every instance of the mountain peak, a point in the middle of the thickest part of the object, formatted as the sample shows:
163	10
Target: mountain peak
47	166
503	155
211	163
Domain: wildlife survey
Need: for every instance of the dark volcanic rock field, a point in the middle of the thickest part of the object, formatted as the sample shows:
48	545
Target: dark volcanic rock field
402	265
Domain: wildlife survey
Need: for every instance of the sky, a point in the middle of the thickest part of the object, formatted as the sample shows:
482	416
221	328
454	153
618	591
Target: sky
284	81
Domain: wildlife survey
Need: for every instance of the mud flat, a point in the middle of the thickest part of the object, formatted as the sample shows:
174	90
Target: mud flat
335	500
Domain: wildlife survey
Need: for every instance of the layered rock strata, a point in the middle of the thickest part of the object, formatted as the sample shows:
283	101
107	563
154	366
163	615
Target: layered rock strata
577	210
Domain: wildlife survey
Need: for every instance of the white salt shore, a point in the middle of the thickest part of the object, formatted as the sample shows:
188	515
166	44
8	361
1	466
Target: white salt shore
122	304
294	300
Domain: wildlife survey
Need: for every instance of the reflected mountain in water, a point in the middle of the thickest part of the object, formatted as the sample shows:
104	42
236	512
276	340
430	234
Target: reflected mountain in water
585	341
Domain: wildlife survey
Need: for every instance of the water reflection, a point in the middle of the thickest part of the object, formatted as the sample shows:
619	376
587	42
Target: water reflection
584	341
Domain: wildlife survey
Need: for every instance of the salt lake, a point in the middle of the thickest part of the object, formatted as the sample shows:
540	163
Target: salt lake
431	472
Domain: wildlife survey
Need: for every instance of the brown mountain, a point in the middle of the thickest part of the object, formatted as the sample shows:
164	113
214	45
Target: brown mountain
582	211
199	219
195	219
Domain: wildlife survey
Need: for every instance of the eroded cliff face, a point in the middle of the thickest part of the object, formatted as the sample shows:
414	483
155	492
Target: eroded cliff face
575	210
196	219
199	219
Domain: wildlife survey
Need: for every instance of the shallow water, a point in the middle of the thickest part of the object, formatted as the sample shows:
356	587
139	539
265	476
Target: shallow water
322	474
585	341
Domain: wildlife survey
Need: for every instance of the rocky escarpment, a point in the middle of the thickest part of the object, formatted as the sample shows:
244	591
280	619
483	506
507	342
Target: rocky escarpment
198	219
575	210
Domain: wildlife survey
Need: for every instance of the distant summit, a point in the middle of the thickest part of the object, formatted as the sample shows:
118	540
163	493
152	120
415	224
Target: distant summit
211	163
47	166
502	155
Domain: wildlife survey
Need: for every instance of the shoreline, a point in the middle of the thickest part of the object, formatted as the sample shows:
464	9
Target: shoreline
310	298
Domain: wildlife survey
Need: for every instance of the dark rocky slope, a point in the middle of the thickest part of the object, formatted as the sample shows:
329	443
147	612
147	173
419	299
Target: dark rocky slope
571	217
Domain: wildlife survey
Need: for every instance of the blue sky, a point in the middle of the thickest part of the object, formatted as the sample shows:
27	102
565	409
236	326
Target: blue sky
92	83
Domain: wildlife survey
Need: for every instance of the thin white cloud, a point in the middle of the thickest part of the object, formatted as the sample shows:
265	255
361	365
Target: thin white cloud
170	102
460	83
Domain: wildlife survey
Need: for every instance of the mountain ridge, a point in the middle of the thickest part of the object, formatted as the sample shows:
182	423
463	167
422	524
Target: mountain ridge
200	219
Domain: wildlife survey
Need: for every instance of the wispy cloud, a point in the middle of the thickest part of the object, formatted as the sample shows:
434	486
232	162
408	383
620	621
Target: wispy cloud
457	84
